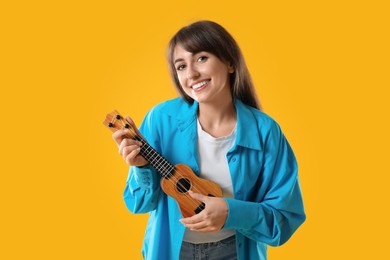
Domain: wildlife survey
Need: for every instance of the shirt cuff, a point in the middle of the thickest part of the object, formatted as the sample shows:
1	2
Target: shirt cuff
145	176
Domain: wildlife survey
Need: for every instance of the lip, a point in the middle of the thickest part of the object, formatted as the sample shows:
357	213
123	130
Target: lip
201	88
198	81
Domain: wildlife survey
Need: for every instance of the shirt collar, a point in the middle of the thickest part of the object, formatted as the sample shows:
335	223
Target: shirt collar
248	134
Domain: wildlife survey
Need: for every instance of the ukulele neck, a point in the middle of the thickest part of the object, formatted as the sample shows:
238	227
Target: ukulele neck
158	162
114	121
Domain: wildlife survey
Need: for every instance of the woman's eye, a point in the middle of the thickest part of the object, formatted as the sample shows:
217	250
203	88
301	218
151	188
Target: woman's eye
202	58
180	67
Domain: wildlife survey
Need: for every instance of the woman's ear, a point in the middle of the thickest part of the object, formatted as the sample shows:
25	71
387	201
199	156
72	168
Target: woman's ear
230	68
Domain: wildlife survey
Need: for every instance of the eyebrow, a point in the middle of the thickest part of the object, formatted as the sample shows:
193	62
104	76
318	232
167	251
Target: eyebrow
177	60
180	59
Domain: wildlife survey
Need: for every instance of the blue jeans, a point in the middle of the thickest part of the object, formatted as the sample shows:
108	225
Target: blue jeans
223	250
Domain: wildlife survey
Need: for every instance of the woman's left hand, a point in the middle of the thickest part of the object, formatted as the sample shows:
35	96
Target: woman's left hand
212	218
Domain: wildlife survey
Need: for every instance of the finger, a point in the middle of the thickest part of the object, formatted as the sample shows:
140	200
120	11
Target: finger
128	142
197	226
119	135
192	220
127	150
131	157
203	226
199	196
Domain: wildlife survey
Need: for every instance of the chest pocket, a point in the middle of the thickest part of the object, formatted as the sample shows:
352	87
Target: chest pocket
246	172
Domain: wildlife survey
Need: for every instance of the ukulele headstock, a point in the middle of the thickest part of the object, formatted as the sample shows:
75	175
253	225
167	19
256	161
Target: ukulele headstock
114	121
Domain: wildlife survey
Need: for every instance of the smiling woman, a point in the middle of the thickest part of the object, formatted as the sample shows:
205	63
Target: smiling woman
203	76
207	36
217	129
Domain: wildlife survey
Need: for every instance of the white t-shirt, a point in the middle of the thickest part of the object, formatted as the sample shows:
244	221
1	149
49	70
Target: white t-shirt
213	166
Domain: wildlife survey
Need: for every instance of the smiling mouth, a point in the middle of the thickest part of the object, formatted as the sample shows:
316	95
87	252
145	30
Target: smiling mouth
200	85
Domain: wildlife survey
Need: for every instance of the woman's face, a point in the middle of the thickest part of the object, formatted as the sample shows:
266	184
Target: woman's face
203	76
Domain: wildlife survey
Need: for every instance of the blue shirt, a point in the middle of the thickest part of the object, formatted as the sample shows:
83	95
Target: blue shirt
267	206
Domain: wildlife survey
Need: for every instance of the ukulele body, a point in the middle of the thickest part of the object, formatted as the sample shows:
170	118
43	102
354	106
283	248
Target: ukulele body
184	179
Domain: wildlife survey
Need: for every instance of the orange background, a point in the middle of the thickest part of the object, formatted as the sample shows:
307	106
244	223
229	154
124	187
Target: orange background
321	69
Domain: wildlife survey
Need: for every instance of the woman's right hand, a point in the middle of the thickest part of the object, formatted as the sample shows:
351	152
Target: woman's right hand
129	148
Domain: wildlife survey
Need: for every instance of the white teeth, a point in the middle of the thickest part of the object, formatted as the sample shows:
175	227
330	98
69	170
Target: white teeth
200	84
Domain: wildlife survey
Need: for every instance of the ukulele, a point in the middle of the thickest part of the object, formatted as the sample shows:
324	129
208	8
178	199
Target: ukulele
176	180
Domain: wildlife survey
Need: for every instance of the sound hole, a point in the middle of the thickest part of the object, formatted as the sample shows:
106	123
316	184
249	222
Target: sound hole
183	185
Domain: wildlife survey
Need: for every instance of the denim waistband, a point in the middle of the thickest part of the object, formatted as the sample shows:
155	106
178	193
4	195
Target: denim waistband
219	250
225	240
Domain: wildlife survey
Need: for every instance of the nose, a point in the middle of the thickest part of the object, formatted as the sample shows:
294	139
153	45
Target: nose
192	72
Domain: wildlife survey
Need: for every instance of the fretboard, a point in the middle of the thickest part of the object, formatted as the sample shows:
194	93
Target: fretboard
158	162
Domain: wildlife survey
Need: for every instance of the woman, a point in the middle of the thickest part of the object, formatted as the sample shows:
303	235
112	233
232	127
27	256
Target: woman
215	127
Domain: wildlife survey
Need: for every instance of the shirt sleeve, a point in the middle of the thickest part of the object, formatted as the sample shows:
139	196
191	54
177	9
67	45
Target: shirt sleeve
143	190
275	217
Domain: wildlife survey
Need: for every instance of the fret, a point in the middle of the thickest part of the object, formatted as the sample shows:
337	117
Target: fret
158	162
115	121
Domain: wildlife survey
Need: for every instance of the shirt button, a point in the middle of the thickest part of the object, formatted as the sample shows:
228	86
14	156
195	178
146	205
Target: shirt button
233	159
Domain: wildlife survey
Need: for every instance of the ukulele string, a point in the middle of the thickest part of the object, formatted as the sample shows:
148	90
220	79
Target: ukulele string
159	165
174	180
191	200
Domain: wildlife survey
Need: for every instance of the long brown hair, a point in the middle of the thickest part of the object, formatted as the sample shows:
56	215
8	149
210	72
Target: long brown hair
213	38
